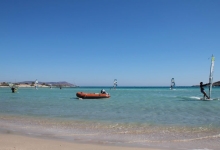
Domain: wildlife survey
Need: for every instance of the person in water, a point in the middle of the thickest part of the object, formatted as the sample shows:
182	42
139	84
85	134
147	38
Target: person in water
171	87
103	91
202	89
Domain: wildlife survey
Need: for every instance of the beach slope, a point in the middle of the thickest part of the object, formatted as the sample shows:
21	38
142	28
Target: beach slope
18	142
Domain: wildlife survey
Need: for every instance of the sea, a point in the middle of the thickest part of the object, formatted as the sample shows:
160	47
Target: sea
153	117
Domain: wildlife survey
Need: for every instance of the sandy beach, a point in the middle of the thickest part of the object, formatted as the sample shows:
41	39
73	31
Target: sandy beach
18	142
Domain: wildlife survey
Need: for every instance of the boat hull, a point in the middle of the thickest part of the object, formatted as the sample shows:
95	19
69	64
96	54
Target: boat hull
91	95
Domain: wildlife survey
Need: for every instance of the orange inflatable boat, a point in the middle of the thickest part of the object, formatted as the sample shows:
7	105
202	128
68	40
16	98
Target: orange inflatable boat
92	95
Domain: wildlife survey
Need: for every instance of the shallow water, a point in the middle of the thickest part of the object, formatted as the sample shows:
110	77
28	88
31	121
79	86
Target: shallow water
136	116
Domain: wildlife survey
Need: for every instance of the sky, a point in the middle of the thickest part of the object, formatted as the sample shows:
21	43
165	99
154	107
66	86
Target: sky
93	42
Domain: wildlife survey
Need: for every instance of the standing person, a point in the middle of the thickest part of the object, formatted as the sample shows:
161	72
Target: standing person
202	89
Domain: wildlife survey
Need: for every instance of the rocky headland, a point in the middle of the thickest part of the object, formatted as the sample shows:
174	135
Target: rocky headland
40	84
214	84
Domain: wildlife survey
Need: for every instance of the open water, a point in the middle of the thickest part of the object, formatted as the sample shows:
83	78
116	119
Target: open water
133	116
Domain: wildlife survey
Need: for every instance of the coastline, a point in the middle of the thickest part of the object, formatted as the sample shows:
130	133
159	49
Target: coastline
25	86
11	141
29	86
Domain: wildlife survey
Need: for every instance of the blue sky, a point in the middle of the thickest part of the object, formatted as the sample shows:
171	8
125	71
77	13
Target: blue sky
93	42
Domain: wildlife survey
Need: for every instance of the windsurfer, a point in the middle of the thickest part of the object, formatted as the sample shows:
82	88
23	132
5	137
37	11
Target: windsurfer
172	83
202	89
115	83
171	87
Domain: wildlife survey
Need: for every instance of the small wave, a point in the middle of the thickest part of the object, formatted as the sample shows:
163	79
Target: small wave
194	97
182	140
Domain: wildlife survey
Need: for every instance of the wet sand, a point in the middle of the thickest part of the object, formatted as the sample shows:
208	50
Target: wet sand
18	142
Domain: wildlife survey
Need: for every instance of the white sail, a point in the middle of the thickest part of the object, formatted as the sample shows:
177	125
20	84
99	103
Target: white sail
115	83
10	85
36	84
211	75
172	83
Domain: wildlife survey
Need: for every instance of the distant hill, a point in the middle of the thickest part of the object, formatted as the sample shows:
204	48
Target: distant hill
214	84
61	83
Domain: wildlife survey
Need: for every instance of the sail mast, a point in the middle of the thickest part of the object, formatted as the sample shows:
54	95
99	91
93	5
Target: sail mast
211	75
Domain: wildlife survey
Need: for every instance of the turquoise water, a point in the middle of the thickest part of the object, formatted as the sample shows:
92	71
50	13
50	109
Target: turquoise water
131	114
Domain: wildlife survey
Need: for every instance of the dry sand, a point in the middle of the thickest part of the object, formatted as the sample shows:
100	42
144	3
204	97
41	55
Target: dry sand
18	142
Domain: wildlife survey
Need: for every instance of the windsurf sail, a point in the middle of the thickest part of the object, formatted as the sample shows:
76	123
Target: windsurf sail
10	85
115	83
211	75
172	83
13	87
36	84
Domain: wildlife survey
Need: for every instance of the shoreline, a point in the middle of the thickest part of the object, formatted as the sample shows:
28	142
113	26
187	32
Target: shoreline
111	136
